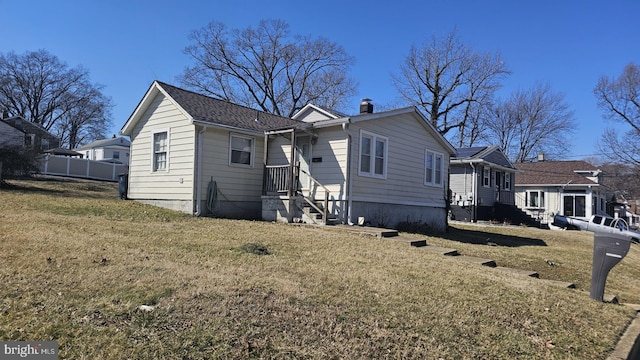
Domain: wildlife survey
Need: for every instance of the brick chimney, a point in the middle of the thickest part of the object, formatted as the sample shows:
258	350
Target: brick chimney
366	107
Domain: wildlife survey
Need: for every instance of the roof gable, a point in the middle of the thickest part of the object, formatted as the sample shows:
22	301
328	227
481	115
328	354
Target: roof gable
411	110
312	113
492	155
106	143
555	173
206	110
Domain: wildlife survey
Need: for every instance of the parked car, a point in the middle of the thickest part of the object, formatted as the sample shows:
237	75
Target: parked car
596	223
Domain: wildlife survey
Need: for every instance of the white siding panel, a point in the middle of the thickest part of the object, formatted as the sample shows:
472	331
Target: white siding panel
235	183
177	182
331	147
279	150
407	141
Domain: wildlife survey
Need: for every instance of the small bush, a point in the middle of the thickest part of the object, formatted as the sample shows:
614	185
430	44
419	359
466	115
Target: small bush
257	249
18	162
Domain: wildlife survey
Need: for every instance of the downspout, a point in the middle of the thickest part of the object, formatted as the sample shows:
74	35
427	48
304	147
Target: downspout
198	181
474	191
347	217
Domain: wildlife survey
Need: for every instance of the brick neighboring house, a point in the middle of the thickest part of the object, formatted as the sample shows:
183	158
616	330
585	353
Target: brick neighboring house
569	188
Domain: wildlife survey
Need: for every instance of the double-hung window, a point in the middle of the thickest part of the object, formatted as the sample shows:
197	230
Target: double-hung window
507	181
373	155
160	151
434	168
535	199
486	177
241	149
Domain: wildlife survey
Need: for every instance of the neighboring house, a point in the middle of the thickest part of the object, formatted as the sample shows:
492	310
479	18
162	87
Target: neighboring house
10	136
205	156
26	133
568	188
481	187
115	150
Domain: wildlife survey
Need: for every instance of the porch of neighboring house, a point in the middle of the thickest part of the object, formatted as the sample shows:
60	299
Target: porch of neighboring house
289	191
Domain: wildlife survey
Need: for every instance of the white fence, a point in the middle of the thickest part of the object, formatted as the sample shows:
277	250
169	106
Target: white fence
81	168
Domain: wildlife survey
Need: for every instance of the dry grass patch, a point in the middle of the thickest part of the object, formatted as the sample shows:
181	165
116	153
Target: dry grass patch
77	263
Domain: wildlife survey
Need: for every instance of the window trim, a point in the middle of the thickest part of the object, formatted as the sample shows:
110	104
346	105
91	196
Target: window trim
486	177
541	199
251	154
507	181
153	150
436	181
375	138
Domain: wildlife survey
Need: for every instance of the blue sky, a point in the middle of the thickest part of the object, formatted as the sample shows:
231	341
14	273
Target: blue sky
126	44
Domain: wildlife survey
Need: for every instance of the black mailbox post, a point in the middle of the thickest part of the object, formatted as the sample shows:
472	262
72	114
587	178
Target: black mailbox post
608	249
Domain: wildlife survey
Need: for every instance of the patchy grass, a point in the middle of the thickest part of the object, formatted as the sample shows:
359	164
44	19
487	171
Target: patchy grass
77	263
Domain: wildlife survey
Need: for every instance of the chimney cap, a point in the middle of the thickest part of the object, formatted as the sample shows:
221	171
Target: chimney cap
366	107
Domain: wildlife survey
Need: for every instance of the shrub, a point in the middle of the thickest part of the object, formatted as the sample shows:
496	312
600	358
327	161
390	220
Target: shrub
18	162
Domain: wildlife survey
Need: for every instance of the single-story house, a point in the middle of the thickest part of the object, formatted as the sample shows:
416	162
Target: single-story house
205	156
114	150
568	188
10	136
482	180
16	131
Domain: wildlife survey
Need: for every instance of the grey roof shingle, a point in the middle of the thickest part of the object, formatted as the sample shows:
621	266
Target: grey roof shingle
210	110
554	173
468	152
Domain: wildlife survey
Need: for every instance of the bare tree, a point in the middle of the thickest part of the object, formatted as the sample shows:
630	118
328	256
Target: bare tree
620	100
266	67
451	83
44	90
531	122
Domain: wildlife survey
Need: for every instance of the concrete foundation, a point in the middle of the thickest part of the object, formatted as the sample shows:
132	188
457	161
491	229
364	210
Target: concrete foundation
281	208
389	215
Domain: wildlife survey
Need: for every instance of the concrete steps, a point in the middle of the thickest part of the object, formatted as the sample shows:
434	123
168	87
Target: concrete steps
422	244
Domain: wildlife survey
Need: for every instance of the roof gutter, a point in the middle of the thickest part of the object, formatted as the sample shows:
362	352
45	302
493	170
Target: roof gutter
198	180
207	124
348	180
483	162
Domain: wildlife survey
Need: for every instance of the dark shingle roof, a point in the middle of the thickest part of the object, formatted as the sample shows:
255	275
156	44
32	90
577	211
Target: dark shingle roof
207	109
554	173
469	152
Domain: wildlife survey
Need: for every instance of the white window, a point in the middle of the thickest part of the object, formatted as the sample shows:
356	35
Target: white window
433	168
160	151
116	154
373	155
507	181
241	149
486	172
535	199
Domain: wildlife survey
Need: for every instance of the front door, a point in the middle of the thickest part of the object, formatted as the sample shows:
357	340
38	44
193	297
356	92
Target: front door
303	157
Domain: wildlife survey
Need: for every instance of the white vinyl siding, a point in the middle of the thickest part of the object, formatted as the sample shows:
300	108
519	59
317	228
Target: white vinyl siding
405	165
235	183
176	183
434	168
373	155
